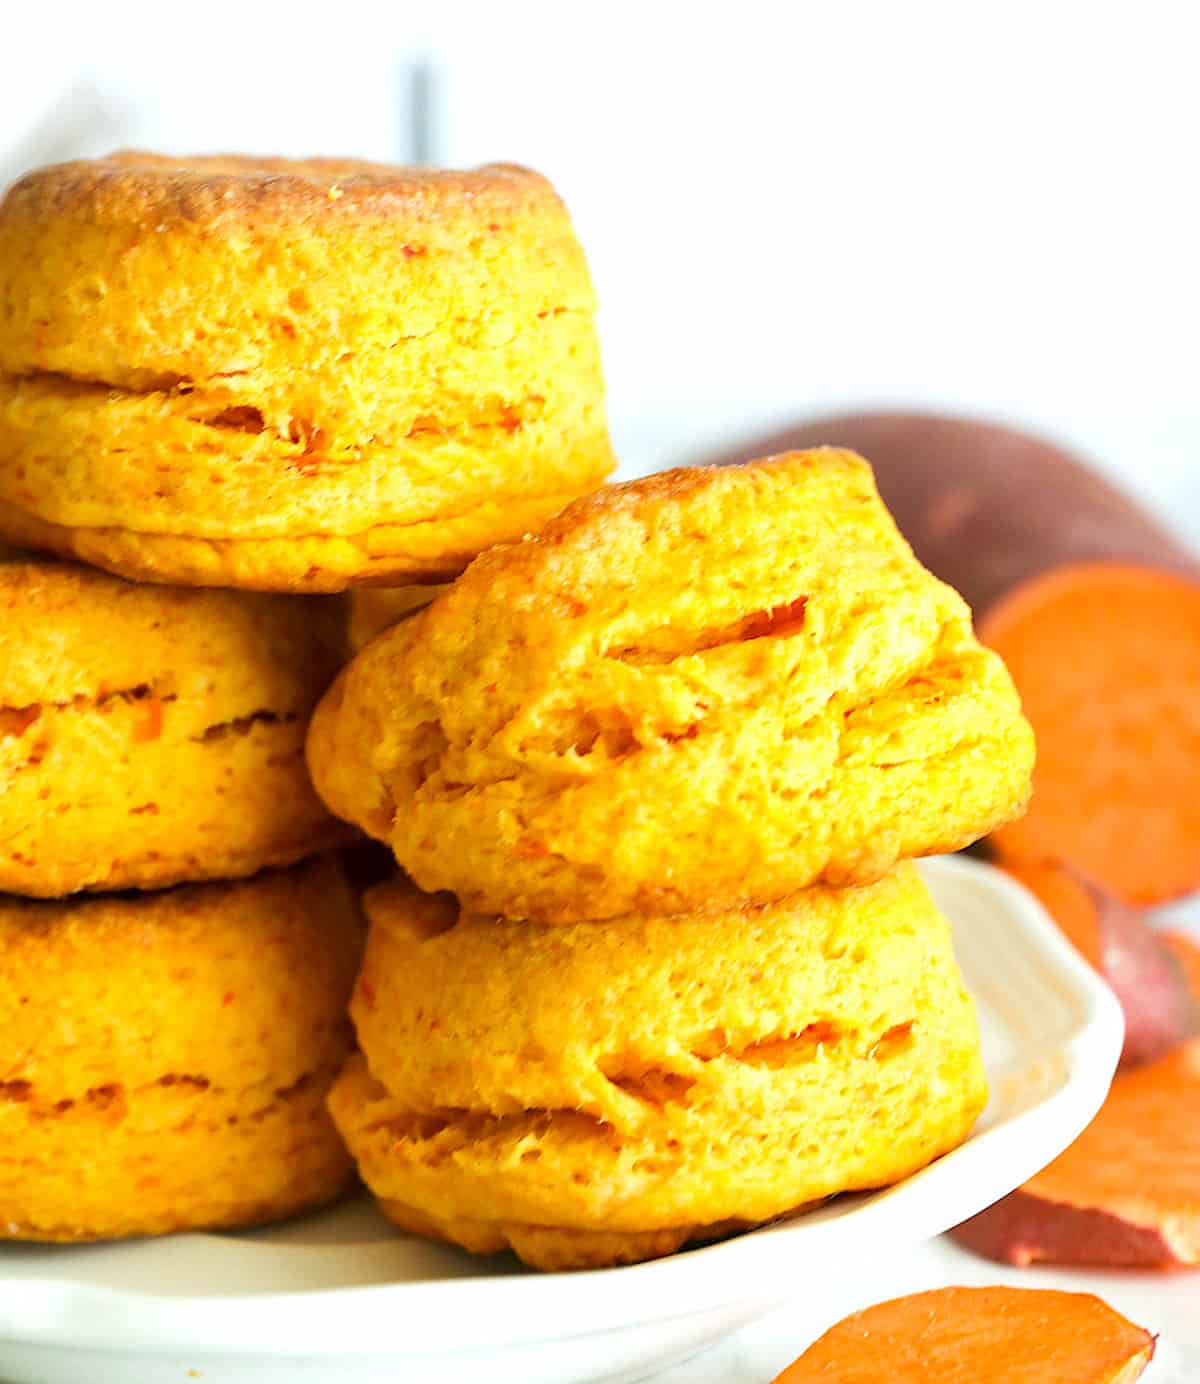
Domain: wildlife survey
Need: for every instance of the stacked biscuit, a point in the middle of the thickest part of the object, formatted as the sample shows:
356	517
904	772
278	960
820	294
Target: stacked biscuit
657	774
278	379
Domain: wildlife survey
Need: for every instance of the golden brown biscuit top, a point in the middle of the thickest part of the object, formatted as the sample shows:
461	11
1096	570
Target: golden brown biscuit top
221	189
650	609
310	294
670	514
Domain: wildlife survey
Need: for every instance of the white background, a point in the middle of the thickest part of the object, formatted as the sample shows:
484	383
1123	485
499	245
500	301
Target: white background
788	207
981	207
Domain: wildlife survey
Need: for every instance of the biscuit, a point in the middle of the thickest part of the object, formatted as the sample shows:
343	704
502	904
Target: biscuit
705	686
280	375
150	735
602	1092
164	1058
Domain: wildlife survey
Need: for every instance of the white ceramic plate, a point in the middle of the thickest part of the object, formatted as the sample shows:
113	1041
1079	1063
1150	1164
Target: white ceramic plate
341	1297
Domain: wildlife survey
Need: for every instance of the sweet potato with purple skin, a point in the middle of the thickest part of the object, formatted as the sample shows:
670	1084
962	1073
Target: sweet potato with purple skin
1127	1191
985	507
1094	606
1143	967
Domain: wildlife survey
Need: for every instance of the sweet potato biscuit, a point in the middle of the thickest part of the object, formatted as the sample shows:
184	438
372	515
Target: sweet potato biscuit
164	1058
701	687
282	375
150	734
602	1092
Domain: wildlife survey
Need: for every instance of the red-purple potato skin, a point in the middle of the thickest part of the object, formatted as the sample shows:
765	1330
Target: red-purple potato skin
1024	1229
986	507
1147	977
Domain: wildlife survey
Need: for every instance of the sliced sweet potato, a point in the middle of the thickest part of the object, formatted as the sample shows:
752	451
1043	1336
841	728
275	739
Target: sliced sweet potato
973	1335
1107	661
1094	605
1143	968
1127	1191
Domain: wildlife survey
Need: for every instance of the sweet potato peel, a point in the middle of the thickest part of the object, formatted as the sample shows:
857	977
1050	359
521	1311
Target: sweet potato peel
1146	970
968	1335
1127	1191
1026	1229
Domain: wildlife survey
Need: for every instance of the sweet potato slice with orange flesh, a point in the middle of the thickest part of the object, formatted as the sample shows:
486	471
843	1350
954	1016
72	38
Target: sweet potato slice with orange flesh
973	1335
1094	605
1107	660
1143	968
1127	1191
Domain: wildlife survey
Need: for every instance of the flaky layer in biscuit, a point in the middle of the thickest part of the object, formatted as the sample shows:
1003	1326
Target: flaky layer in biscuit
290	376
702	687
602	1092
150	735
177	1156
165	1057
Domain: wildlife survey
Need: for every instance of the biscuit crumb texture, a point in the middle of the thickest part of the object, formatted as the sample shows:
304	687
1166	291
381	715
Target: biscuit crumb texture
165	1057
703	687
213	372
600	1093
153	735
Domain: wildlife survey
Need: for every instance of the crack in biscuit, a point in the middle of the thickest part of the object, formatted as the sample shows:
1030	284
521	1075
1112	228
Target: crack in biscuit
115	1096
15	721
666	645
242	725
448	1129
229	414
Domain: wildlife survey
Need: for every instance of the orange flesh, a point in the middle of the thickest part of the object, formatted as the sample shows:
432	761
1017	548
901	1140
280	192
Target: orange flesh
1139	1159
1106	657
971	1335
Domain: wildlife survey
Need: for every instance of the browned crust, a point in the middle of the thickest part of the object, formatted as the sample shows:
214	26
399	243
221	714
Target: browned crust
586	523
221	190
